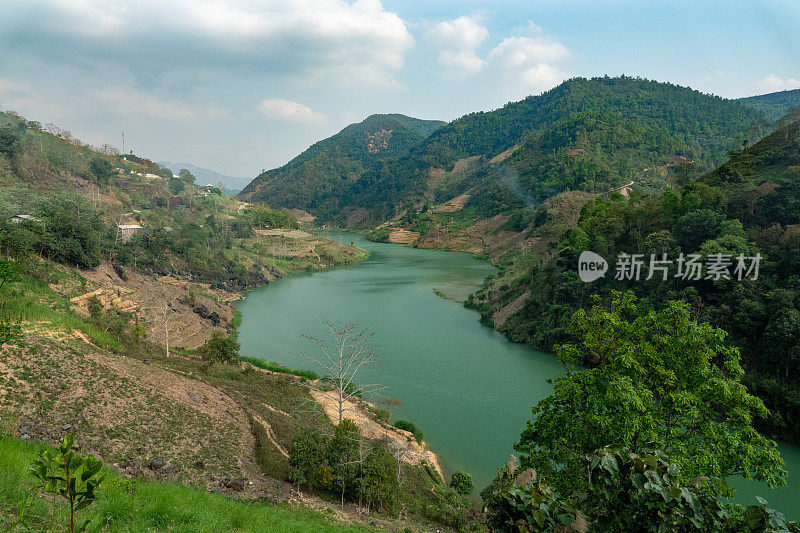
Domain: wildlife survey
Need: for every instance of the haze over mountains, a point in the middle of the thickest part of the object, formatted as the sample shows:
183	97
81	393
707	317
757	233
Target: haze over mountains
585	134
206	176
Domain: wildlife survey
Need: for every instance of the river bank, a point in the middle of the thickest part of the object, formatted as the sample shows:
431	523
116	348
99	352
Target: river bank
467	386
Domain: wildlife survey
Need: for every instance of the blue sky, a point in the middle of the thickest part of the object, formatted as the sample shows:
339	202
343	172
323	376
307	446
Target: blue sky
238	86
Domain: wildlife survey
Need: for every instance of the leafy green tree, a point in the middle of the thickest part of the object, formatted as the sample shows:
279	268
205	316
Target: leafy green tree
220	347
306	454
187	177
103	170
74	230
9	140
343	456
72	475
462	482
176	186
696	227
662	381
625	491
378	485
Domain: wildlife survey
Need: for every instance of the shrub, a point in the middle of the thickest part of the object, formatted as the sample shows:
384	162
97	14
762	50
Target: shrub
405	425
220	347
462	482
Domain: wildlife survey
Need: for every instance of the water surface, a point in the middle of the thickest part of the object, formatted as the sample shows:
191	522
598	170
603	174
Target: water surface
468	387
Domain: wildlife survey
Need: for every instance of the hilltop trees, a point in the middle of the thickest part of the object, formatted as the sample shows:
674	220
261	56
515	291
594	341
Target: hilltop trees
662	381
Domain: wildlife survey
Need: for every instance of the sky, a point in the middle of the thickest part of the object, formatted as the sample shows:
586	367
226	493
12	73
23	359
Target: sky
238	86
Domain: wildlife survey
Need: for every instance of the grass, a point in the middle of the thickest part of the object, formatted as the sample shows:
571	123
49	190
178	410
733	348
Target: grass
140	505
275	367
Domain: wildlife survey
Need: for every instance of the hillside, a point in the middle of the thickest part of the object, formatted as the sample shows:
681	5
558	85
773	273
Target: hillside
117	324
324	178
749	206
773	105
585	134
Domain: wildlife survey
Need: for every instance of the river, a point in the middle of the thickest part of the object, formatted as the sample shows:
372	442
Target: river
468	387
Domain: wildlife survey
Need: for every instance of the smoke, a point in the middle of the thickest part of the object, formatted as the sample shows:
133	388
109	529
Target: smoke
508	176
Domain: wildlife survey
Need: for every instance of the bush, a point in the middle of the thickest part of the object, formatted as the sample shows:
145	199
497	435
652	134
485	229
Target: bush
405	425
220	347
462	482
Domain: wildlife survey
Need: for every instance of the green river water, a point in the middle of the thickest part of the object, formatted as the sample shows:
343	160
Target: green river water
469	388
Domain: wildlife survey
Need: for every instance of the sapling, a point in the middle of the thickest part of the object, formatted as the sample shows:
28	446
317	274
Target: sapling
72	475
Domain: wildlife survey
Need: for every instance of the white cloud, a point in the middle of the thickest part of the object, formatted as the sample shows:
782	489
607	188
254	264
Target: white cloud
529	61
290	111
133	104
458	40
324	37
521	63
772	83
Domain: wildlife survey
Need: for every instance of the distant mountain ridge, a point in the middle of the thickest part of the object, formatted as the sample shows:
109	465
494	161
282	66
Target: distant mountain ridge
774	105
585	134
205	176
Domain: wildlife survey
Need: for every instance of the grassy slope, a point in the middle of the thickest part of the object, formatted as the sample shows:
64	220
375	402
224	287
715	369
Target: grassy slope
141	505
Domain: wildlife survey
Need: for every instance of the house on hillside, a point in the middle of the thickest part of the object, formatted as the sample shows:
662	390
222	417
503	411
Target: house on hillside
126	231
16	219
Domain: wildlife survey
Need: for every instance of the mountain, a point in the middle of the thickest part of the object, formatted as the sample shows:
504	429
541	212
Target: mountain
585	134
749	205
205	176
774	105
325	177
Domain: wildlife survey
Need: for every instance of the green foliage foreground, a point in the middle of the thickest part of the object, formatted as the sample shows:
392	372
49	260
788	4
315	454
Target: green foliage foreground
662	381
626	491
140	505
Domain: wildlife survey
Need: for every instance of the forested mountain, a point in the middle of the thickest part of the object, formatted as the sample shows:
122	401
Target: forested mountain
585	134
750	205
774	105
322	178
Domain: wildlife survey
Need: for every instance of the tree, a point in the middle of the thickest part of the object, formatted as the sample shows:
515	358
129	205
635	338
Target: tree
625	491
343	455
342	361
167	320
187	177
103	170
306	454
220	347
378	485
9	330
176	186
73	230
462	482
663	381
9	140
73	476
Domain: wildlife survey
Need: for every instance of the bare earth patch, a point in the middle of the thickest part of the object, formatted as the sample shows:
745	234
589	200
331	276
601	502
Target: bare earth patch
374	430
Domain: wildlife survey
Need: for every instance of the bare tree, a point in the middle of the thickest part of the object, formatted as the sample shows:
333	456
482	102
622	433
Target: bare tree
341	360
401	451
167	319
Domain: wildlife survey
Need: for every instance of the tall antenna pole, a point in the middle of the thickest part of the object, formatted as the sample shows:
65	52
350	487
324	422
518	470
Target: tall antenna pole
123	143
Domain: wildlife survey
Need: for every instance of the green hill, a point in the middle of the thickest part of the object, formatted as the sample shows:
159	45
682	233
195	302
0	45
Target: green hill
585	134
774	105
324	177
750	205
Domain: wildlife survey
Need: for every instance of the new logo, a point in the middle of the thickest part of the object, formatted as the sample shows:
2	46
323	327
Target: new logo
591	266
